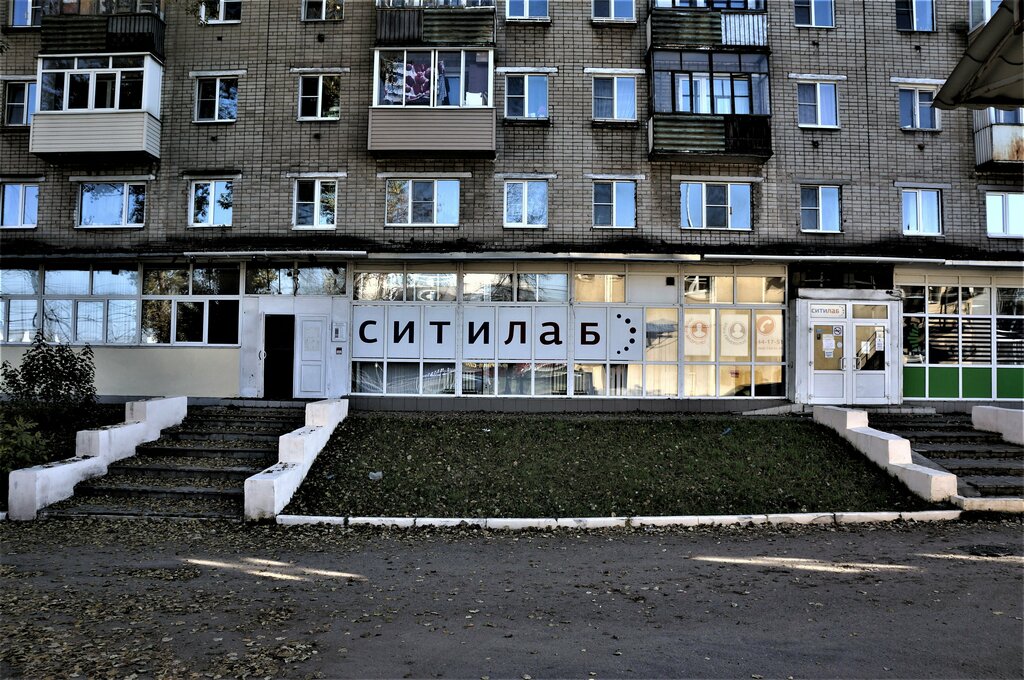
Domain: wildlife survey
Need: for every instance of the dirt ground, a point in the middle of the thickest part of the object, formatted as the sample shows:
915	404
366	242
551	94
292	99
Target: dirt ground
134	599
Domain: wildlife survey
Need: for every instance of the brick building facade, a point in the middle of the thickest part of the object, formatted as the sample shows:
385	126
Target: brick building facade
811	111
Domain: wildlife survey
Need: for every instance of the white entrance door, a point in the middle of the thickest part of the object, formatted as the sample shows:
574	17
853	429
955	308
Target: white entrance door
852	354
310	356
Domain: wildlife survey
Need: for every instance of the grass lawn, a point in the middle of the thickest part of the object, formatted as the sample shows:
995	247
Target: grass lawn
499	465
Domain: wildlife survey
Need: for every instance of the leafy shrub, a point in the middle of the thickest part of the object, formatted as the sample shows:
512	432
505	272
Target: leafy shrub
53	375
21	444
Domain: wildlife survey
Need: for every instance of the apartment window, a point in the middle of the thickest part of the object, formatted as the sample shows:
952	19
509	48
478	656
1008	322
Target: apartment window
433	78
820	209
91	83
211	204
112	204
322	10
707	205
916	112
526	9
612	10
1011	117
316	203
915	15
817	105
710	82
26	12
19	103
615	204
416	202
20	205
319	97
816	13
220	11
1004	213
526	96
922	211
216	100
526	203
981	11
615	98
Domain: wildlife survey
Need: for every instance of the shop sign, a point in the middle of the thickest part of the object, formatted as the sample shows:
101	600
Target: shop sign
828	311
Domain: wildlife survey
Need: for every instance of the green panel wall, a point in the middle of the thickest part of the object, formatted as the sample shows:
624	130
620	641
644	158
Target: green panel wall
913	382
1010	383
977	383
944	383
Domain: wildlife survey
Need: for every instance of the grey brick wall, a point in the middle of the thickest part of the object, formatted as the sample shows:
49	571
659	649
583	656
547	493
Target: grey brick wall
869	153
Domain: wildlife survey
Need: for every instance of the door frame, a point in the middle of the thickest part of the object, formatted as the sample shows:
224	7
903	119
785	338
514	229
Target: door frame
835	307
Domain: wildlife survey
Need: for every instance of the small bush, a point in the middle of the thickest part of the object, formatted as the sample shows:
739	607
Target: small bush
53	375
21	444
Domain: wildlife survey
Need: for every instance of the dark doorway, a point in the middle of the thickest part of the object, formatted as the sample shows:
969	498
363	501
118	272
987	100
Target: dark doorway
279	344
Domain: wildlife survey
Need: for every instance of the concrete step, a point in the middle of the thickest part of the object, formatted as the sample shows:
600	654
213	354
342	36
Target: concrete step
263	454
921	424
968	450
950	435
997	485
1010	467
164	469
114	506
206	435
134	491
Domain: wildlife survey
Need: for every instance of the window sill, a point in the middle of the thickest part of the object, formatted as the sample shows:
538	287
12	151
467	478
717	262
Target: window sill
931	131
915	31
214	122
299	228
822	28
821	231
218	22
322	21
1011	237
92	227
718	229
612	227
318	120
596	21
918	234
526	122
823	128
533	227
209	226
19	227
421	226
613	123
528	20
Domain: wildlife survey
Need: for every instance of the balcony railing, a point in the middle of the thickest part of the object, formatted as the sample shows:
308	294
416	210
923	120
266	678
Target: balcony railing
433	4
97	34
672	27
725	138
435	22
736	5
101	7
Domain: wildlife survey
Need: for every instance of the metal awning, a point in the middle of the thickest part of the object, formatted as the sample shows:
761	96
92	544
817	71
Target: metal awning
991	72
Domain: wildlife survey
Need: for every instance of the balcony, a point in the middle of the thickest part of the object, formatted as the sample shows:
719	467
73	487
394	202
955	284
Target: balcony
716	138
672	25
108	136
998	146
98	34
425	132
435	22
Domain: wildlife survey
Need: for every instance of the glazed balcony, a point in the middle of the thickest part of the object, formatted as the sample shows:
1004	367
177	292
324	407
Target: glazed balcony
102	26
999	140
687	23
704	137
435	22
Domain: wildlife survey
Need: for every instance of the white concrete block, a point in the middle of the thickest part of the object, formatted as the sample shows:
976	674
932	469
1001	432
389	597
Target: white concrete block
450	522
393	522
32	489
881	448
326	413
590	522
929	484
664	521
840	419
1007	422
297	520
930	515
157	414
518	523
112	443
731	520
801	518
866	517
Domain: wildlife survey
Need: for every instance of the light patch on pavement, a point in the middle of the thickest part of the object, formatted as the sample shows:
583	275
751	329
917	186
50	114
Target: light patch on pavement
804	564
1008	559
283	571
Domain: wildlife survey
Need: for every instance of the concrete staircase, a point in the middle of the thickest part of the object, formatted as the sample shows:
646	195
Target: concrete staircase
195	470
985	465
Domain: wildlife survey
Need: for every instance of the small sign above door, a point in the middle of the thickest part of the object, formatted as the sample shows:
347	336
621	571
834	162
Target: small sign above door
828	311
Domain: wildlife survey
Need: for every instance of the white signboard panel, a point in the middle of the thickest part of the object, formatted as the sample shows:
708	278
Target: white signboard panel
514	333
478	342
625	333
439	332
368	332
552	330
403	332
589	330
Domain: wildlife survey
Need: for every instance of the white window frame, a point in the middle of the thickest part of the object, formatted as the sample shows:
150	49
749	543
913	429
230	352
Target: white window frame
212	181
408	196
433	83
814	16
526	16
319	97
526	202
526	95
1004	197
913	19
323	10
216	108
22	187
819	229
317	198
593	203
124	224
919	193
987	9
615	97
611	8
221	4
916	123
35	14
29	106
818	84
93	73
704	206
